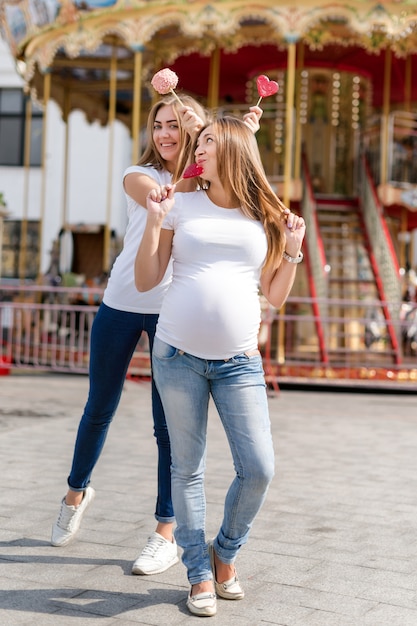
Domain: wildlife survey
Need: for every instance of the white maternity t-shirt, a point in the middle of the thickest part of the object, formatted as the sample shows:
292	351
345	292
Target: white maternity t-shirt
212	309
121	292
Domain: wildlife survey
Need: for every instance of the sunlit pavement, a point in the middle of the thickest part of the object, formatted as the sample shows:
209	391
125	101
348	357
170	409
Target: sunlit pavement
335	544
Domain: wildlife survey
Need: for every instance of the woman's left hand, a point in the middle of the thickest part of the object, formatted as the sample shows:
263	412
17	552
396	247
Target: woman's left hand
295	229
252	118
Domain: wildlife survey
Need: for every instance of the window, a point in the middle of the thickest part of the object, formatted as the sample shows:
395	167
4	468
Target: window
12	129
16	251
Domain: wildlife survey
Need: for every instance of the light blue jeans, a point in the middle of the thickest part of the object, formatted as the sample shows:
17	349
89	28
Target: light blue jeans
238	389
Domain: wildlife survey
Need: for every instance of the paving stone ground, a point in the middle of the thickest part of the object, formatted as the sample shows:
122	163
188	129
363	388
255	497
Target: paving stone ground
334	545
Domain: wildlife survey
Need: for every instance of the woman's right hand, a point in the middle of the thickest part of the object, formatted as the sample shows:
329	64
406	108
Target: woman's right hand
154	250
160	201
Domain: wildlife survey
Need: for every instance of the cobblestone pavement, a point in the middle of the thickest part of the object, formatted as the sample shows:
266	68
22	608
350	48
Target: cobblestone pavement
334	545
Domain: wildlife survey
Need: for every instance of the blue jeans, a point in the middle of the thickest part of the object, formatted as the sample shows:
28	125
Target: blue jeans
238	389
114	337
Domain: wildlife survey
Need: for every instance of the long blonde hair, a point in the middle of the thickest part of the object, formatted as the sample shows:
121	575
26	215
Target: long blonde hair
151	155
243	177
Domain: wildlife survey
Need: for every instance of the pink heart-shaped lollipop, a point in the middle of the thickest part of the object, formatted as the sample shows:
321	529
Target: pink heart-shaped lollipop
193	170
265	86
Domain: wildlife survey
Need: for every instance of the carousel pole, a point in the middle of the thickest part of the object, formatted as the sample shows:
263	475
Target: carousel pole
289	133
385	116
214	78
46	96
111	119
297	155
137	103
26	163
407	83
64	244
289	121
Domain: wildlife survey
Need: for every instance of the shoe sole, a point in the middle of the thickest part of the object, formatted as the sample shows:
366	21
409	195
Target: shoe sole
137	571
203	611
64	543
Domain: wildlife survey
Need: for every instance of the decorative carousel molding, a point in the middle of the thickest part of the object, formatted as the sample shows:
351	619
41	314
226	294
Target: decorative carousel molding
165	30
83	26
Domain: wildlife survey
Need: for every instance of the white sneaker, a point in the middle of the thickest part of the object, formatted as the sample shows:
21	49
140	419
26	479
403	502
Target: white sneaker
69	519
157	556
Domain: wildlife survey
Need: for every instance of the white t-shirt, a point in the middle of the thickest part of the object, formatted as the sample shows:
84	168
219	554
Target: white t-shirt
121	292
212	309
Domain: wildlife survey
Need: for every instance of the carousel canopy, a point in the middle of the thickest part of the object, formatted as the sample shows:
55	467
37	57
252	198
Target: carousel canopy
76	42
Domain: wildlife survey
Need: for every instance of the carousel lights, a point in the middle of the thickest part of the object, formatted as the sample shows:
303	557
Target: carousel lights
280	115
336	99
356	86
304	97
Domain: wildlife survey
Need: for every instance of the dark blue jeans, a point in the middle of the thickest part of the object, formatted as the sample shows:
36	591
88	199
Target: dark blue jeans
113	340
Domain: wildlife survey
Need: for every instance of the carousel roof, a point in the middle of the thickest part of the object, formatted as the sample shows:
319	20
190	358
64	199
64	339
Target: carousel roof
74	41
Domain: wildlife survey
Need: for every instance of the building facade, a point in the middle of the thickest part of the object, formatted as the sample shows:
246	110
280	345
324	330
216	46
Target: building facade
78	188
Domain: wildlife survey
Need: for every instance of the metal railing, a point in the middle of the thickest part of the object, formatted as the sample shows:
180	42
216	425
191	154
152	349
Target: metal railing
367	355
49	329
44	328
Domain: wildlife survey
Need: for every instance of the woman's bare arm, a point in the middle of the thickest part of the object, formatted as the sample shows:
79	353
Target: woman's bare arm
276	284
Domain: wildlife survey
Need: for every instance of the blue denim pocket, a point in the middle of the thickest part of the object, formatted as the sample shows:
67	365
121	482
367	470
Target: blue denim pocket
245	358
163	351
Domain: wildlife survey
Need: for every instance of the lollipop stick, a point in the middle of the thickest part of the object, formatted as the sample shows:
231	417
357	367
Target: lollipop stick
183	178
259	101
174	94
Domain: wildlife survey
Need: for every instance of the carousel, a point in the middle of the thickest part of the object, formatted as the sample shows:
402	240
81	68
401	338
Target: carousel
341	126
337	65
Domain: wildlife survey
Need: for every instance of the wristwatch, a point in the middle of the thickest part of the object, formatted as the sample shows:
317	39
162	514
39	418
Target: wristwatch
293	259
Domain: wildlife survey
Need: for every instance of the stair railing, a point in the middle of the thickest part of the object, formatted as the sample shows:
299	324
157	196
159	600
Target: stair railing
315	260
382	255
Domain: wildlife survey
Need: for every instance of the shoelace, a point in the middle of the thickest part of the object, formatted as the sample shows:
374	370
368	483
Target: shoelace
66	517
153	546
